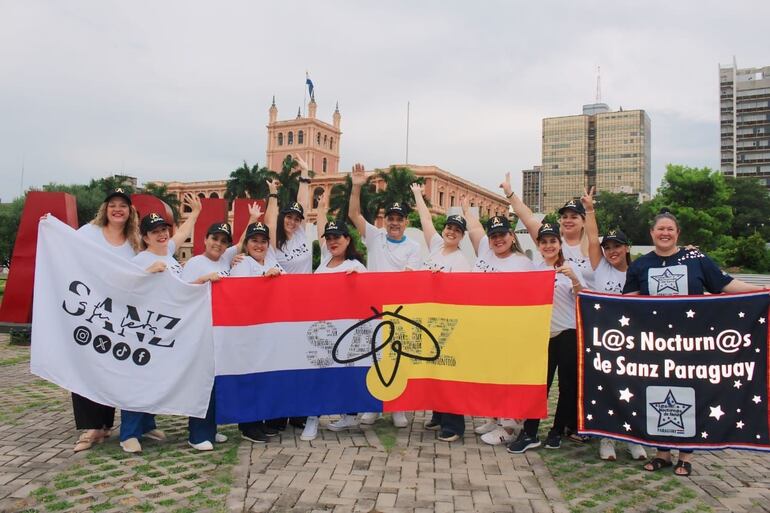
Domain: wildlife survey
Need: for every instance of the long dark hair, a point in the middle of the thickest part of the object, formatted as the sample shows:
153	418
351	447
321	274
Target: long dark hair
351	252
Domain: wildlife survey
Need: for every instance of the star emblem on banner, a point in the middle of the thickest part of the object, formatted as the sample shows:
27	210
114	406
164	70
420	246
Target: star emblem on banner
761	320
704	434
741	315
716	412
597	306
667	280
756	399
624	321
610	413
738	383
589	417
626	395
627	426
739	424
690	314
670	411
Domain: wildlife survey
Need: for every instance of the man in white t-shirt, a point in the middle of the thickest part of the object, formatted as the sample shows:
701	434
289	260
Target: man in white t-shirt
387	250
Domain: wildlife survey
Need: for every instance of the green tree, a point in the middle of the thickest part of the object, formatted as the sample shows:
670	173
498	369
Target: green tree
618	210
89	197
751	252
750	203
160	191
10	217
340	199
248	182
288	178
698	197
398	181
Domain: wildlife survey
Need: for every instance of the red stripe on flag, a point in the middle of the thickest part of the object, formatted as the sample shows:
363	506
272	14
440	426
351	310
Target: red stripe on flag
482	399
310	297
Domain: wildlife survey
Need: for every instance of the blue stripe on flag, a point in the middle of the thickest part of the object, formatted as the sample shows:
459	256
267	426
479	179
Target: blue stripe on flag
292	393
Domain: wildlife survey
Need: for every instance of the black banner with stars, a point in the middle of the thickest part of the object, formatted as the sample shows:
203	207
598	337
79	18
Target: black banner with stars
688	372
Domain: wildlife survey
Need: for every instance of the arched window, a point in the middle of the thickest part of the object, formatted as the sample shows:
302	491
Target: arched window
201	195
331	143
214	195
318	138
290	138
280	139
324	139
324	164
317	192
300	137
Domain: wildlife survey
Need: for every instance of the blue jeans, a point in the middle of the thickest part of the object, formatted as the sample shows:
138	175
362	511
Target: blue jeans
203	429
133	424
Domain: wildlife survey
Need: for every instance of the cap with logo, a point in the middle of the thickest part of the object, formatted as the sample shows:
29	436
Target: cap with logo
575	205
458	221
257	229
150	222
222	228
336	228
498	224
118	193
548	229
294	208
397	208
617	236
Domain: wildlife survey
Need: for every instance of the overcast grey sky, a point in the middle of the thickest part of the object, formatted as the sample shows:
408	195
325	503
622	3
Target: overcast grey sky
179	90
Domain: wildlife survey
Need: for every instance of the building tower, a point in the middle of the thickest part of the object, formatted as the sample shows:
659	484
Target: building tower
744	100
314	140
532	188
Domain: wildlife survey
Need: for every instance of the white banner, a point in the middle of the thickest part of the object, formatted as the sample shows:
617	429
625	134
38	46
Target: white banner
107	330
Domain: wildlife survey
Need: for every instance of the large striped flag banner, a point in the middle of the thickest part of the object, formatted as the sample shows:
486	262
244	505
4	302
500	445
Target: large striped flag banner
296	345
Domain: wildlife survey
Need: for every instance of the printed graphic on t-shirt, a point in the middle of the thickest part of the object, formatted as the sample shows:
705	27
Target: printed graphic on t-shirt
667	281
612	287
483	266
580	263
296	252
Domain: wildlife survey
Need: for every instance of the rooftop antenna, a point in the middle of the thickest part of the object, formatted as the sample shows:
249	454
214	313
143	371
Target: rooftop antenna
598	84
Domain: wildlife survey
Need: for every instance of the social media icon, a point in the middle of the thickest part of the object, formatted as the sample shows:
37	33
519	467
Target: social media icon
102	344
141	356
121	351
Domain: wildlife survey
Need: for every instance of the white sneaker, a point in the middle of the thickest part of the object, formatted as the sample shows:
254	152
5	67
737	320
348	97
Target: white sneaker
344	422
203	446
607	449
497	436
220	438
489	425
311	429
399	419
637	452
131	445
514	424
369	418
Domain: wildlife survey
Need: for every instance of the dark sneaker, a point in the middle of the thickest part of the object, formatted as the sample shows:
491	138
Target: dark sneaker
254	435
433	425
447	436
269	431
522	443
553	441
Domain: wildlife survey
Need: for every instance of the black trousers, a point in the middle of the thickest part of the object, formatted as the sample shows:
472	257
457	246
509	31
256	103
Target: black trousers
91	415
562	358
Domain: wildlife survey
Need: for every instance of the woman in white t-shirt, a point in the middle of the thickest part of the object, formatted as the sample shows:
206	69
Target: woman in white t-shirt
609	268
115	228
444	256
338	255
562	346
157	257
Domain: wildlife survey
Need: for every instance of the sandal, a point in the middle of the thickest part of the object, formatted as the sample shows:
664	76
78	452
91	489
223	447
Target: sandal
87	439
686	465
578	439
657	464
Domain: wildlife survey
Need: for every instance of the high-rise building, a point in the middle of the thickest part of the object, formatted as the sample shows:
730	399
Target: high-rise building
606	149
532	190
744	99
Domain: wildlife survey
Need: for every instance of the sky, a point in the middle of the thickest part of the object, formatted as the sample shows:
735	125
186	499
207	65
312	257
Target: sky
180	90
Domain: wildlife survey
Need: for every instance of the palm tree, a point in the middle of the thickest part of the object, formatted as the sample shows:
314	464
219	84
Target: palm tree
248	182
161	192
288	178
339	200
397	187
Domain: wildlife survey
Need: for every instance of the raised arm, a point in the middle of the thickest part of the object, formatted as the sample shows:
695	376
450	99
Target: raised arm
185	230
303	193
428	230
521	210
320	220
358	179
592	229
271	215
254	214
475	230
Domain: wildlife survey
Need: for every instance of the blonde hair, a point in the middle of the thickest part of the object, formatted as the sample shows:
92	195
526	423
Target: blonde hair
130	229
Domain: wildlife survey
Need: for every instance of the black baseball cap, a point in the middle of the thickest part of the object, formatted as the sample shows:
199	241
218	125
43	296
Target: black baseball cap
150	222
294	208
257	229
336	228
458	221
498	224
397	208
118	193
617	236
548	229
220	228
575	205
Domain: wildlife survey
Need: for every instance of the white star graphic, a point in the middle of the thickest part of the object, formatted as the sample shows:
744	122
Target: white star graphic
761	320
593	402
741	315
712	328
704	434
610	413
756	350
738	383
716	412
757	399
670	325
757	437
654	312
599	388
589	417
739	424
633	413
624	321
690	314
738	410
627	426
597	306
626	395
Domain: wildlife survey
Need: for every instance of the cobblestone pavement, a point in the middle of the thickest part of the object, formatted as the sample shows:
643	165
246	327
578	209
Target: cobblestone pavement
374	469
